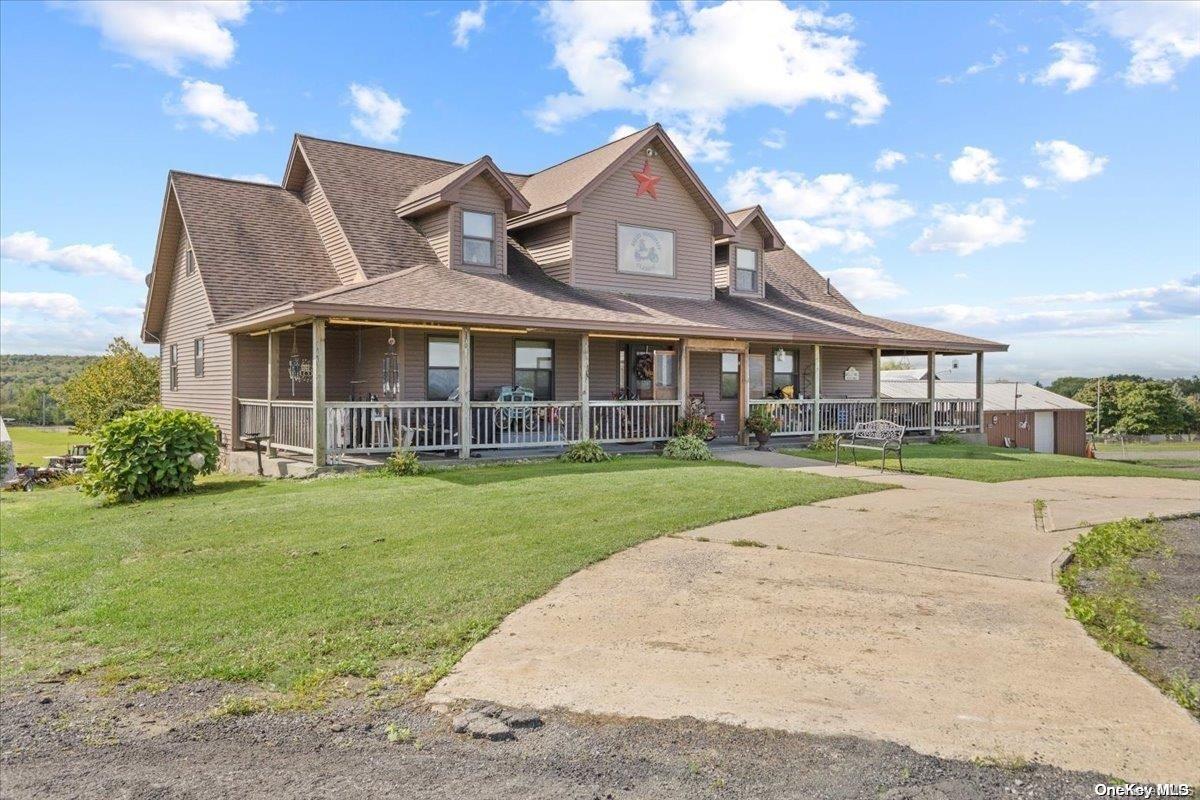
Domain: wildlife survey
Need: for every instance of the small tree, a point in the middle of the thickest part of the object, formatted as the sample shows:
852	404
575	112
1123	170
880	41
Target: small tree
1150	407
124	380
1108	404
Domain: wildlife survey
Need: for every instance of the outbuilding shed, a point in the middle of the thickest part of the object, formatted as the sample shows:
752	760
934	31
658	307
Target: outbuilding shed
1025	415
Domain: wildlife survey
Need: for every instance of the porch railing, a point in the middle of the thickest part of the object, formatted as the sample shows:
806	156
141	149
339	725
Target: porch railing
615	421
795	416
385	426
912	414
953	415
252	417
840	416
533	424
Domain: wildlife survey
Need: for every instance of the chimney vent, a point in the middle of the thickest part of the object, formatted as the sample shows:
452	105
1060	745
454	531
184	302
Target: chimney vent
828	286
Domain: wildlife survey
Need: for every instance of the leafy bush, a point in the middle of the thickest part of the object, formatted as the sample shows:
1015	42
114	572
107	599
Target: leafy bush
402	463
825	444
1117	542
587	451
687	448
761	421
124	379
695	422
150	452
948	438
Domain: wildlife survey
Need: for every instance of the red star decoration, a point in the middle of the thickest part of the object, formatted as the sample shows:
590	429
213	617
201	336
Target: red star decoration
646	182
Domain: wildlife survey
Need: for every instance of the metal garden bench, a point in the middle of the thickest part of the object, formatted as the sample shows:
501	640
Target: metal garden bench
882	435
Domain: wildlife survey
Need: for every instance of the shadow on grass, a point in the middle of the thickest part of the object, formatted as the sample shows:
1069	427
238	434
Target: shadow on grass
503	473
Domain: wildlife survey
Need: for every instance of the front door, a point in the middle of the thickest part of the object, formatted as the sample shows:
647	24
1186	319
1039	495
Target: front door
1043	432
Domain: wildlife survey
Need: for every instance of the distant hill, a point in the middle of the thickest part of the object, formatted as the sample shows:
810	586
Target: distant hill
24	379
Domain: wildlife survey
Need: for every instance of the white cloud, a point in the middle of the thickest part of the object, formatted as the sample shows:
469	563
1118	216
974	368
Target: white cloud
213	109
983	224
865	283
697	64
776	139
1170	300
77	259
1162	36
379	116
467	22
888	160
833	210
1069	162
52	305
168	34
975	165
1031	181
254	177
1076	66
997	58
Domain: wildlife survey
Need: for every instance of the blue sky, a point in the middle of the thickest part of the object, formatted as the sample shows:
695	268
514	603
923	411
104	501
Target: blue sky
1025	172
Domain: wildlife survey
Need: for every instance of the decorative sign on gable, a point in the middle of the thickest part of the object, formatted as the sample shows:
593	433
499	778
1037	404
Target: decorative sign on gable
851	374
646	182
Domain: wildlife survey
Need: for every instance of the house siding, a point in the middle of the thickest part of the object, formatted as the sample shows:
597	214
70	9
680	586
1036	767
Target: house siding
721	266
705	378
479	195
834	363
1070	432
435	228
1008	423
189	317
332	237
594	255
550	247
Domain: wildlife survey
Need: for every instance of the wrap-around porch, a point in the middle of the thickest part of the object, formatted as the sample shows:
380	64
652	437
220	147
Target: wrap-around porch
330	388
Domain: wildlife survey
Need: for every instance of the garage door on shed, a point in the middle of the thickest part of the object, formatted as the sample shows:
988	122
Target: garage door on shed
1043	432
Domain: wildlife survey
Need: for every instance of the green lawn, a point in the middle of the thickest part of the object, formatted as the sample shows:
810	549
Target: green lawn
283	582
995	464
31	445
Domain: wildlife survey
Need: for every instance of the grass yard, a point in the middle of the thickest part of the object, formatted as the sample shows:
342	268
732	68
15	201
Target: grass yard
32	444
286	583
994	464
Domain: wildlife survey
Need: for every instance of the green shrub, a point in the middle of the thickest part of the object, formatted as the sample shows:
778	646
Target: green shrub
402	463
826	443
150	452
587	451
1116	542
948	438
687	448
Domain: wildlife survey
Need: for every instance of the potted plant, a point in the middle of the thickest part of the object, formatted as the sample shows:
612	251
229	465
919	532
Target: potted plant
762	423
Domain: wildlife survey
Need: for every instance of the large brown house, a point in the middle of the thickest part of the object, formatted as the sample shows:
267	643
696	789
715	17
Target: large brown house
378	300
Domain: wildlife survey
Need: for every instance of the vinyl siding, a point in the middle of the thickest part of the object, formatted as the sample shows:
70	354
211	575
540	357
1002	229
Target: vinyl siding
436	228
721	266
834	363
187	318
747	237
603	376
705	378
594	254
478	195
252	367
550	247
335	242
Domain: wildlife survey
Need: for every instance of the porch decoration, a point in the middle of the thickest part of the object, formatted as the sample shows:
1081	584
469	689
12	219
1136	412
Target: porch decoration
851	374
391	370
646	181
299	369
762	423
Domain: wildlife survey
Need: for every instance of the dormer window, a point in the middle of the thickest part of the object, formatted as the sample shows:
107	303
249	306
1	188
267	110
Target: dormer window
745	273
478	239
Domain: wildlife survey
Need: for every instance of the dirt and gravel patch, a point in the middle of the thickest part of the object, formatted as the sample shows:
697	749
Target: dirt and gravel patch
68	740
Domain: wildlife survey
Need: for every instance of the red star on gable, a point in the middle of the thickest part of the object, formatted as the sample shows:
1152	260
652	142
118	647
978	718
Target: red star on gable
646	182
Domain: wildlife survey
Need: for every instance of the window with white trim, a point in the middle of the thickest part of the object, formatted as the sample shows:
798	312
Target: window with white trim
198	357
478	239
534	367
441	375
745	269
730	376
174	371
189	261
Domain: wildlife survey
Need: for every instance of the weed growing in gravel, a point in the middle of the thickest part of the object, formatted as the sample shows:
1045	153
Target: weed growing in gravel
1185	691
1190	617
746	543
233	706
1009	761
398	735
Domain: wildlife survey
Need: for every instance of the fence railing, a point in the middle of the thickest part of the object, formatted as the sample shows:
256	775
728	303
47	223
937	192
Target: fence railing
291	422
794	416
840	416
614	421
912	414
252	417
385	426
953	415
532	424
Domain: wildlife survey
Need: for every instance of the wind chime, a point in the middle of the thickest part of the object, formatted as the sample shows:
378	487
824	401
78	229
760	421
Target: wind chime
391	369
299	369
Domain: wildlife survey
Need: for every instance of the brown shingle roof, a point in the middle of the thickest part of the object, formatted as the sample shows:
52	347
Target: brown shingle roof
255	243
528	296
558	184
791	277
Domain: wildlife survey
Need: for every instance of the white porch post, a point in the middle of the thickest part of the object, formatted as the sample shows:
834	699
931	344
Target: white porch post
272	390
930	378
585	390
743	393
464	392
979	388
877	384
683	379
816	391
319	422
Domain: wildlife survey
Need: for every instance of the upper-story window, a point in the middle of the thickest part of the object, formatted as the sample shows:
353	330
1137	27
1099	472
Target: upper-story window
189	261
478	239
745	269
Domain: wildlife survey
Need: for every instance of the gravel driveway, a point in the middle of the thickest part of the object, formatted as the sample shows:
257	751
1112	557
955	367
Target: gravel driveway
924	615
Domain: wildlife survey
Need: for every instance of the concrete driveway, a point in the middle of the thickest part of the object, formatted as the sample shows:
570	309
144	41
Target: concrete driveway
924	615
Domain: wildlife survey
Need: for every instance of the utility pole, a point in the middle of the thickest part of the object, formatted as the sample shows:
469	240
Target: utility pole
1098	385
